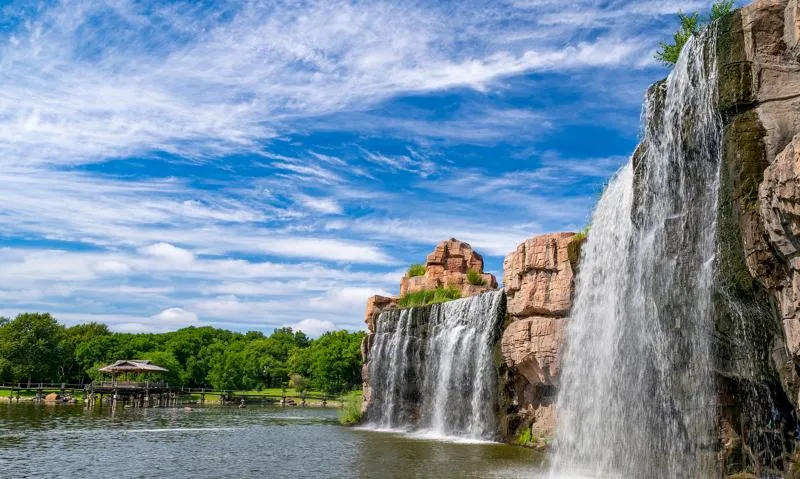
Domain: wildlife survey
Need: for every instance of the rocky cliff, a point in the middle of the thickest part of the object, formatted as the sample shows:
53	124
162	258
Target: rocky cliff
448	266
757	345
538	280
538	284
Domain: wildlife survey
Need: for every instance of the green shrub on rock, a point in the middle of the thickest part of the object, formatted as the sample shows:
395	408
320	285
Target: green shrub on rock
475	278
668	53
416	270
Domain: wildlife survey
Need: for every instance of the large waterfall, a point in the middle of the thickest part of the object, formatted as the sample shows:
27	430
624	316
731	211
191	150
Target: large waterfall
637	394
432	368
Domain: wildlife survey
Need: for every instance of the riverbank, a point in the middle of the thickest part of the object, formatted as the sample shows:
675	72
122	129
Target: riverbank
264	397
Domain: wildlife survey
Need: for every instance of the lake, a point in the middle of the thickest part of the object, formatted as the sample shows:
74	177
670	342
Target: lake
72	441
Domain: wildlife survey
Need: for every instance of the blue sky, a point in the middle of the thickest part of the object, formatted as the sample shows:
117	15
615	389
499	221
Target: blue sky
251	165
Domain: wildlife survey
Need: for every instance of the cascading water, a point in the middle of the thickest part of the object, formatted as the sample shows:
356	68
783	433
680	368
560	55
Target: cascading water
637	394
432	368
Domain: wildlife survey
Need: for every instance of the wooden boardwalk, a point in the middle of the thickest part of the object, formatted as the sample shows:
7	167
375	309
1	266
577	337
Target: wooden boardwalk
159	394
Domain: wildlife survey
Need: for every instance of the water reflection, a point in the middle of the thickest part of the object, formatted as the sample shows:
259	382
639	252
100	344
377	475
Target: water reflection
64	441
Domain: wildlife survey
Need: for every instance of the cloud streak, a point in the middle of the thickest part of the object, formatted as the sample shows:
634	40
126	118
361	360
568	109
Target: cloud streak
257	164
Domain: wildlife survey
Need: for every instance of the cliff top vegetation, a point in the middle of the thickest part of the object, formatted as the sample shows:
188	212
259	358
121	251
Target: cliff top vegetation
668	53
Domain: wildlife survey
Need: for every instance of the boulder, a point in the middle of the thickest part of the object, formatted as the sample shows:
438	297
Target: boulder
538	276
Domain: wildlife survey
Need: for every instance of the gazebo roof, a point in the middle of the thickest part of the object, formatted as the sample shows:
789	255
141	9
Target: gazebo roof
132	366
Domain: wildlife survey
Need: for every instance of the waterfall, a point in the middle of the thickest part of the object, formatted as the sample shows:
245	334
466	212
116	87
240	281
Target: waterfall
432	368
636	396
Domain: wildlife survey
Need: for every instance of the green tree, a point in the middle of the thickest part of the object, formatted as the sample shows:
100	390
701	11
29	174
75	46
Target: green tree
668	53
70	369
336	361
166	360
30	347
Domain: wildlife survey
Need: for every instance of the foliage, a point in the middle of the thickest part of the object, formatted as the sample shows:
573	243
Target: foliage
428	296
416	269
299	383
30	348
475	278
525	437
583	234
350	414
336	361
35	347
720	9
668	53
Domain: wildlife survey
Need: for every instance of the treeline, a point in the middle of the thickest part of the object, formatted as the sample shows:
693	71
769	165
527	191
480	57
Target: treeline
36	348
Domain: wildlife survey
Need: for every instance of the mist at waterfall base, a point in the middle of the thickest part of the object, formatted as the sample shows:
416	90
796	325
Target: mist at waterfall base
636	390
431	369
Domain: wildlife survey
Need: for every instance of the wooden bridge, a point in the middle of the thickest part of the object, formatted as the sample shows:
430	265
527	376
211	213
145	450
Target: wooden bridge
161	394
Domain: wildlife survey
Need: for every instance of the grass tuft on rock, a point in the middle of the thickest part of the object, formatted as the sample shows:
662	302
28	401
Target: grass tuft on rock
475	278
428	296
416	269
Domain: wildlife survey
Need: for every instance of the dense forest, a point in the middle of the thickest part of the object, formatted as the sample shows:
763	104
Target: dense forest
35	347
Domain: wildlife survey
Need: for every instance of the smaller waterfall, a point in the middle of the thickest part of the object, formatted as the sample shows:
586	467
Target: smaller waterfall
432	368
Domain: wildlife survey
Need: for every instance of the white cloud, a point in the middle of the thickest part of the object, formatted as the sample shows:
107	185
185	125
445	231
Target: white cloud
195	83
313	327
142	90
168	252
323	205
111	267
175	318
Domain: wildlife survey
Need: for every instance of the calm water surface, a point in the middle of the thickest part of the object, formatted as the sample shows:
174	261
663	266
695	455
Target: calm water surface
70	441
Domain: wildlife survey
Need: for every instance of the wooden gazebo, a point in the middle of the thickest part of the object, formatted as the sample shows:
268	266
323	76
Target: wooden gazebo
138	393
135	366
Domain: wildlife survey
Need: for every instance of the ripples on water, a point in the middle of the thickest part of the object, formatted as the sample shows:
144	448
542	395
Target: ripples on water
71	441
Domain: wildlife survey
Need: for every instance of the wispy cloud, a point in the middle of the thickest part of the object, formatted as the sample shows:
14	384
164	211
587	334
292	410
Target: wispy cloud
257	164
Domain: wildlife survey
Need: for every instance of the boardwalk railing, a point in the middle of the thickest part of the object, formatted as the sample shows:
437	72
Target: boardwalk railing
47	386
129	385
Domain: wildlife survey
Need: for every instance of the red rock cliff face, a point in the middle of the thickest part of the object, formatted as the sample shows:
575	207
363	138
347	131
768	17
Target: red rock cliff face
538	279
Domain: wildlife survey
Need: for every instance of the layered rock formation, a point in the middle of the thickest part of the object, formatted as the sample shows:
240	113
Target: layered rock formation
538	280
448	266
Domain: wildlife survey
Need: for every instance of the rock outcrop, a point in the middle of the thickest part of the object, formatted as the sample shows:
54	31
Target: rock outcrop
448	266
538	278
